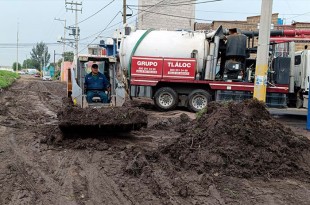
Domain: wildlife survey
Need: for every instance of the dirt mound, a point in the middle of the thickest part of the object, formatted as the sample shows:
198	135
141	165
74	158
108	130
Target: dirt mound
100	120
240	139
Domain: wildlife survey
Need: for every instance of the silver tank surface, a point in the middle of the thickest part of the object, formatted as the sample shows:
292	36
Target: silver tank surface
169	44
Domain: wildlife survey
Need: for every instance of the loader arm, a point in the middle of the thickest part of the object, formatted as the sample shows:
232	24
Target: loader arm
77	92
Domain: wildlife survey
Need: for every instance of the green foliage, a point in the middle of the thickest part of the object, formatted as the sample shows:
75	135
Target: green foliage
69	56
200	113
14	66
57	75
7	78
54	65
28	63
40	55
59	63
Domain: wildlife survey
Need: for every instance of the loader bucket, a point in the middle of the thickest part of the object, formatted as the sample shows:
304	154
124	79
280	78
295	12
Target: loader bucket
88	122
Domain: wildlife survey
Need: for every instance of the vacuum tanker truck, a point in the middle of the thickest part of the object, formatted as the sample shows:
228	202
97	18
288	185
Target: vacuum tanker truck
190	68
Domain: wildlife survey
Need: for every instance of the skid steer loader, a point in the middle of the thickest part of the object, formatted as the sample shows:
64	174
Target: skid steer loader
96	118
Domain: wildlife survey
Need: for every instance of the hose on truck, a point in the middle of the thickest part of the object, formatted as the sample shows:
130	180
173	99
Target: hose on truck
135	48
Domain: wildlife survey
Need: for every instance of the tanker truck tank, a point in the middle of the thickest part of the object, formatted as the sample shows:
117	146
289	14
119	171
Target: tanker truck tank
167	44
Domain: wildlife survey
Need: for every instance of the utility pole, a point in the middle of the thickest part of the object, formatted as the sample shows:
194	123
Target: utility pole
124	11
64	44
54	59
44	64
17	49
76	33
260	85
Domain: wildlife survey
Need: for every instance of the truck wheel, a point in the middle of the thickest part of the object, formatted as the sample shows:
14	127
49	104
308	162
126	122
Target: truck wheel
166	98
198	100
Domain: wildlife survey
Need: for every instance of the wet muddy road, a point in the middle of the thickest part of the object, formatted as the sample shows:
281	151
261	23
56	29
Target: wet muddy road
37	169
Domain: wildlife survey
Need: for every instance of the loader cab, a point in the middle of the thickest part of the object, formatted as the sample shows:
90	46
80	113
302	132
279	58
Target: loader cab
107	66
86	68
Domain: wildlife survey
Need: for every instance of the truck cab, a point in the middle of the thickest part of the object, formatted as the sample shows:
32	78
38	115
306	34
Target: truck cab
302	75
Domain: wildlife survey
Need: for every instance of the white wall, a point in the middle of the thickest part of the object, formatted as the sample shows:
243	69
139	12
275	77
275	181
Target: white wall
148	20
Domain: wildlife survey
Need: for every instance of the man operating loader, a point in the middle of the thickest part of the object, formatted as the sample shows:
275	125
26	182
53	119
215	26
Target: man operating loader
96	84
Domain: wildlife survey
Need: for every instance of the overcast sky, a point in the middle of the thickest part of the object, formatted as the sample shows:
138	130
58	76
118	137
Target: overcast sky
35	20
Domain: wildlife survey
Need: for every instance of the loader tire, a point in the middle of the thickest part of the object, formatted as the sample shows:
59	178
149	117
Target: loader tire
166	99
198	100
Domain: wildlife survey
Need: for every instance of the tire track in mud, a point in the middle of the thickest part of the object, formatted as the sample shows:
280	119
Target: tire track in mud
26	107
18	183
64	183
71	185
85	182
24	113
29	105
74	179
105	186
35	179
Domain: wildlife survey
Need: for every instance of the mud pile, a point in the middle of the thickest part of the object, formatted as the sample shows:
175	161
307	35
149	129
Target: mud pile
100	120
240	139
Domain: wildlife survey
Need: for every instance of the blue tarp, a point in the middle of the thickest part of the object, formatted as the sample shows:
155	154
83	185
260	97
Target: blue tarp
50	70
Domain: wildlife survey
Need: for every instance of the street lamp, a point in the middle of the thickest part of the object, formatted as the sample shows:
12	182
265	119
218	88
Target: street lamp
16	67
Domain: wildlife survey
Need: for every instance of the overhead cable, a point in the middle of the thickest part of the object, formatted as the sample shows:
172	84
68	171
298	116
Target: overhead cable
192	2
101	31
94	13
163	14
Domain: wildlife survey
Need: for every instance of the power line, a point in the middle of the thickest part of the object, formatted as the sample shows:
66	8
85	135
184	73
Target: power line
234	12
192	2
163	14
31	46
24	44
228	12
101	31
176	16
118	23
95	13
299	15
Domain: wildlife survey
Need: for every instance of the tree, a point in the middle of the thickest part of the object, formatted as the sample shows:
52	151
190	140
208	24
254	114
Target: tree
14	66
28	63
69	56
40	55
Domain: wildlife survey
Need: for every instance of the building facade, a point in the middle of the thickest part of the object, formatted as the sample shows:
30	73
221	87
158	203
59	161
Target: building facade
168	15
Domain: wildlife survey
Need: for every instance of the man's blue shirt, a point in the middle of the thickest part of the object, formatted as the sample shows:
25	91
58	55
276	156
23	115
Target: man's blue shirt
96	82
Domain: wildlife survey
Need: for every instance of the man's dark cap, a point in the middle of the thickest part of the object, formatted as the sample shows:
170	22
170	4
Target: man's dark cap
233	30
94	65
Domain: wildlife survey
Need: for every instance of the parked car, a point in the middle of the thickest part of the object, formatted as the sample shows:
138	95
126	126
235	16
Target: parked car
47	77
21	72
